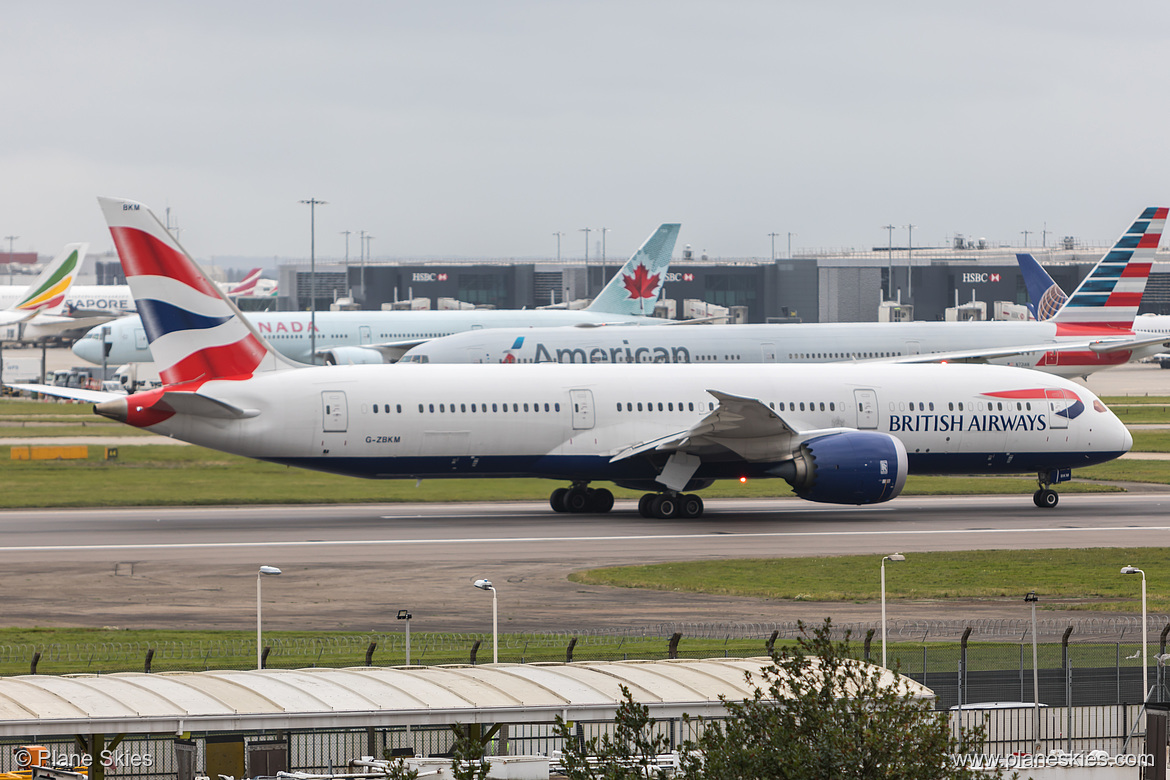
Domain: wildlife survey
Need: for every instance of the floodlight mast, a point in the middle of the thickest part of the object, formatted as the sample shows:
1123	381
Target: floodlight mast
895	558
487	585
269	571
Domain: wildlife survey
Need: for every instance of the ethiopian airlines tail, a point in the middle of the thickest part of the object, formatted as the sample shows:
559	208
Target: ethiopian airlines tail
1110	295
635	288
1044	295
46	295
195	332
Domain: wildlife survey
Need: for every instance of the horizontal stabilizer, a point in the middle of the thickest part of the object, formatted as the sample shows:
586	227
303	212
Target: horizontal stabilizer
73	393
199	405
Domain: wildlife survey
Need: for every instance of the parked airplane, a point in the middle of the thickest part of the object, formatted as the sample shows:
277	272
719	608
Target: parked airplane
1073	343
1044	292
835	434
383	336
42	311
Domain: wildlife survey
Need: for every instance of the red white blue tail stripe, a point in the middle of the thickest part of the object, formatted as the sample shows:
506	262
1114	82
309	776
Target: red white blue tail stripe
195	332
1110	295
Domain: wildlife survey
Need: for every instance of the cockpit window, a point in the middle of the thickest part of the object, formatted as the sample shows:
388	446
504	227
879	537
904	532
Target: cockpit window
1100	407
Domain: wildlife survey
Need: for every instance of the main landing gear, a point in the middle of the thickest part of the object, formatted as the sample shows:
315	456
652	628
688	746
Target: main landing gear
581	498
1045	497
666	506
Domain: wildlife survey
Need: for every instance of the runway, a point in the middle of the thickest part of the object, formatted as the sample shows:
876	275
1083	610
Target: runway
352	567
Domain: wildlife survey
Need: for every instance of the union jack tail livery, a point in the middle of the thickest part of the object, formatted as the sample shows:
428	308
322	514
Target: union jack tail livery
1110	295
46	295
195	332
635	288
246	288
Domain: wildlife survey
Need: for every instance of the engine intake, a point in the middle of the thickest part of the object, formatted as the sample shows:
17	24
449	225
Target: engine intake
854	467
345	356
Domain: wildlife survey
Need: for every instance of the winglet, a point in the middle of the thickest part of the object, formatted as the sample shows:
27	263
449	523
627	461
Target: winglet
635	288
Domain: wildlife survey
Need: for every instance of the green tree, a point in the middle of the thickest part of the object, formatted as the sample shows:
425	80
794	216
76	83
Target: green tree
629	753
817	713
467	754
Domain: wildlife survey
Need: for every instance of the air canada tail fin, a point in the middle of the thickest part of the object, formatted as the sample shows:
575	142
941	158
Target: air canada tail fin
1110	295
195	332
46	295
635	288
1044	295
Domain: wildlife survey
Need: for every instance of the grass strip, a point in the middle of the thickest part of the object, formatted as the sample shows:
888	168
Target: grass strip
1088	577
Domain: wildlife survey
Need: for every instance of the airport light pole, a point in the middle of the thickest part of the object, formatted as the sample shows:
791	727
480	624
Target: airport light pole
1145	667
404	614
773	235
366	239
790	235
10	240
1025	235
890	259
1032	599
910	263
346	234
895	558
313	204
558	234
487	585
604	272
264	570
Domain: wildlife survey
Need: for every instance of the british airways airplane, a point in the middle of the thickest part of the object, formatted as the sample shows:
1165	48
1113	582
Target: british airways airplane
1092	330
836	433
351	337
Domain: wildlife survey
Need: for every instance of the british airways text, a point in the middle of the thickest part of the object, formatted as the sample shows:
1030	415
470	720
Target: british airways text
913	423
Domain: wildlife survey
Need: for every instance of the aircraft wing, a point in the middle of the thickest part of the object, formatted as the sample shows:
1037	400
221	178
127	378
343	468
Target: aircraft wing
746	426
1101	345
391	351
74	393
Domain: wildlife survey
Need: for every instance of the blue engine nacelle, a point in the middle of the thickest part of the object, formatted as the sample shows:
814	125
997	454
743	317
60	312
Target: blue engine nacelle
347	356
851	467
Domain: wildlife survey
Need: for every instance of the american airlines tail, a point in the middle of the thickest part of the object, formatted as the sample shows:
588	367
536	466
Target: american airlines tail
635	288
195	332
1110	295
1044	295
46	295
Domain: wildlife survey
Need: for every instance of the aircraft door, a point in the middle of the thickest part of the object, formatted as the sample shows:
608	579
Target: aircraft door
913	348
582	401
364	334
335	413
867	411
140	339
768	353
1056	401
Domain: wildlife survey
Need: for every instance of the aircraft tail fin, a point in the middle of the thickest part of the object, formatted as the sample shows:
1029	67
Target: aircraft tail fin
635	288
1110	295
1044	295
195	332
247	287
46	295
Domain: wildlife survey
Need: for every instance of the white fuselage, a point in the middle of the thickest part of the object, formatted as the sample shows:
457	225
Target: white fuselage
568	422
290	332
782	343
112	298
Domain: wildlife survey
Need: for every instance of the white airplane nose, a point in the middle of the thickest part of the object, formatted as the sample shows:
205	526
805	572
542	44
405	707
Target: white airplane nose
88	349
1126	438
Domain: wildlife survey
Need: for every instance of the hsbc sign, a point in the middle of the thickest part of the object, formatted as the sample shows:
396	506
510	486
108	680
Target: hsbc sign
980	278
426	277
677	277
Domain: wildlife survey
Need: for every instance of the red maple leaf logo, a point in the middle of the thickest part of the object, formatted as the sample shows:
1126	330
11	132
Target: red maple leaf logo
641	284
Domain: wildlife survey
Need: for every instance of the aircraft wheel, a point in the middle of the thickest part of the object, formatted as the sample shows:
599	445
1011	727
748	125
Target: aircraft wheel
644	504
1046	498
576	500
601	500
664	507
690	505
557	499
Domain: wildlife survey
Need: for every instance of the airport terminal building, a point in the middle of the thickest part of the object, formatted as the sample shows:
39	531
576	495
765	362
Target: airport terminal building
806	288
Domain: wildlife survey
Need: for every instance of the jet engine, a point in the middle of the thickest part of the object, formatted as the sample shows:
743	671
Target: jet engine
852	467
345	356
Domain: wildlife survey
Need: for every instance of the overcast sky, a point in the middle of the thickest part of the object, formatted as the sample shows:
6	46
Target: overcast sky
478	129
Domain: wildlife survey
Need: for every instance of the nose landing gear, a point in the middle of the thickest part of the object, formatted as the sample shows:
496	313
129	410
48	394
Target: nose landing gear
1045	497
